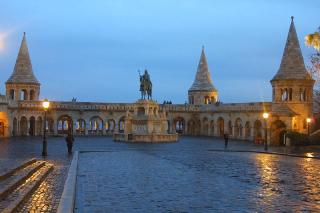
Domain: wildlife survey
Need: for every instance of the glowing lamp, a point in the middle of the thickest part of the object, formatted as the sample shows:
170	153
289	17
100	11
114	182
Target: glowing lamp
45	104
265	115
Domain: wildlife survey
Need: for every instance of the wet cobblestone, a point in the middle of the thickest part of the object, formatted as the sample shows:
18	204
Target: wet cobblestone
188	181
171	177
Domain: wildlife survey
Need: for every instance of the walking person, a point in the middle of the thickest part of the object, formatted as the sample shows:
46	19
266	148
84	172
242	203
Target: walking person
226	140
69	140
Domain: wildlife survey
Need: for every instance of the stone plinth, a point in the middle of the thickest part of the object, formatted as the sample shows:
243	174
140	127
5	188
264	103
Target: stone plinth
146	124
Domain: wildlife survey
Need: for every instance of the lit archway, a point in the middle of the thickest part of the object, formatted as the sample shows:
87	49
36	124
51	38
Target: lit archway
64	124
179	125
278	129
32	126
220	126
23	126
257	134
96	125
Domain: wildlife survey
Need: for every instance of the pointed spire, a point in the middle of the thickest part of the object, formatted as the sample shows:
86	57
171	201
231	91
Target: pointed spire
22	72
292	64
203	81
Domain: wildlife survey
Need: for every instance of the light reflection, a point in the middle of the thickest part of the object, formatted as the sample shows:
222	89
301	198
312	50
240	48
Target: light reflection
267	174
309	154
311	185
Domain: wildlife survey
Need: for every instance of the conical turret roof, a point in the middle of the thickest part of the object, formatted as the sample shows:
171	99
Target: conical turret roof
22	72
202	81
292	65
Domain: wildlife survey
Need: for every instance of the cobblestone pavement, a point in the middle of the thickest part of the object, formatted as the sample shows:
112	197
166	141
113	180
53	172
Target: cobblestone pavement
167	155
192	181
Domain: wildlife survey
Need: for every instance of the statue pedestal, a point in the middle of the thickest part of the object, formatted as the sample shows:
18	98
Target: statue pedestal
146	124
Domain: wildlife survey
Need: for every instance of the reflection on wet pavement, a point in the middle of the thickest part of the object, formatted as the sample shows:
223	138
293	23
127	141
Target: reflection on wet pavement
188	181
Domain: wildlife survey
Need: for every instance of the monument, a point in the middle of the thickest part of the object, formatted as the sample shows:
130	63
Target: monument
146	123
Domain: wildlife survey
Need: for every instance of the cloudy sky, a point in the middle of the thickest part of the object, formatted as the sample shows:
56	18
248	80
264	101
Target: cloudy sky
92	49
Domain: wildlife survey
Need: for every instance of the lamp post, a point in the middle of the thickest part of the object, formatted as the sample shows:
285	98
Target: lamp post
45	105
266	116
308	125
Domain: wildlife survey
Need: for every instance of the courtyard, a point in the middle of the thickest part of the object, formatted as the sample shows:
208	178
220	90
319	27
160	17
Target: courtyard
193	175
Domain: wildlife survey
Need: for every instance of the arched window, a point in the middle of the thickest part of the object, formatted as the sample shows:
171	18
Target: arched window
284	94
206	100
12	94
213	100
32	95
290	94
303	94
191	99
23	95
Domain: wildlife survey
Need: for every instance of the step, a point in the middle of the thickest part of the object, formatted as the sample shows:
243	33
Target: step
18	178
24	191
26	163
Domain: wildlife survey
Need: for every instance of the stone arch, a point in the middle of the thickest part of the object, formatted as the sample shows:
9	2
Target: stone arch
278	129
64	124
32	95
179	125
238	127
96	125
212	127
15	127
205	124
50	125
23	126
111	125
24	95
80	126
194	127
121	125
39	126
32	126
220	126
247	130
191	127
257	133
11	94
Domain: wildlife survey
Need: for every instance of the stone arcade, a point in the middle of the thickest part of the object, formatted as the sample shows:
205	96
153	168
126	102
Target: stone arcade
21	112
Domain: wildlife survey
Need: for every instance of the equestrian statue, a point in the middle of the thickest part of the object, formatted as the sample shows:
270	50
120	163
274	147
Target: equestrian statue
145	85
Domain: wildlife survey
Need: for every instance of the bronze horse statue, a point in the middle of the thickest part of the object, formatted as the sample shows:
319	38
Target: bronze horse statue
145	85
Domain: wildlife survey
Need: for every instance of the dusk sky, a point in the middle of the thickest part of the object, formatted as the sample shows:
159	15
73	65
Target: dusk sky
92	50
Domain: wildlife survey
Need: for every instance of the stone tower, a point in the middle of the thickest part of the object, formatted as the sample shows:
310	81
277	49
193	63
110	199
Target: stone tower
22	84
292	86
202	90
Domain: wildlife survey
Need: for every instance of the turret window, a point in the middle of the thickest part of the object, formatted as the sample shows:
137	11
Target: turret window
303	94
206	100
191	99
284	94
290	94
12	94
213	100
32	95
23	95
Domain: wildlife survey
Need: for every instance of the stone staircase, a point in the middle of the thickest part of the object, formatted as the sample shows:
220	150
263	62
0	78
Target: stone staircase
19	183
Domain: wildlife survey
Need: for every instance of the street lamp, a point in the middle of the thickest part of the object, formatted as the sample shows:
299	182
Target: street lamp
265	116
45	105
308	125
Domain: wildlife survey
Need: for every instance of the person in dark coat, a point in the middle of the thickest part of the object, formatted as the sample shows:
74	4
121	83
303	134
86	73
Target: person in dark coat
226	140
69	140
